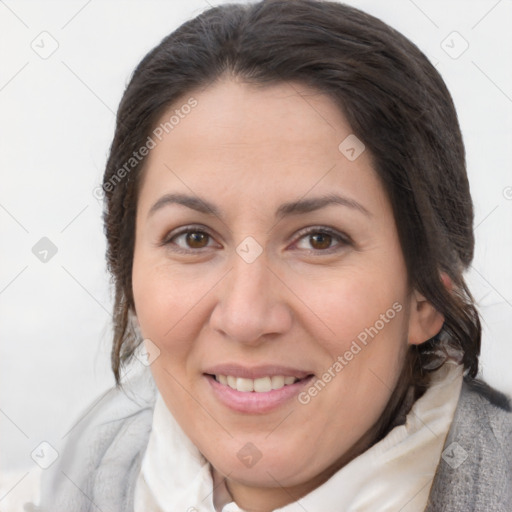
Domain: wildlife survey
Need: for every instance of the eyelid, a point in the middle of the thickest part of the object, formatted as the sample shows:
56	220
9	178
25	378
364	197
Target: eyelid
193	228
342	238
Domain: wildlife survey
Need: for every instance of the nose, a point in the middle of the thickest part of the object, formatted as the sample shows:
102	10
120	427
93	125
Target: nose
251	305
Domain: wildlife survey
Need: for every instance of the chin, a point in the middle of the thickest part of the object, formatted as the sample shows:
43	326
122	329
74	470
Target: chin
271	470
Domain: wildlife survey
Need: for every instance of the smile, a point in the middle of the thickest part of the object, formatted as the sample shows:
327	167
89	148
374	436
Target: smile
255	390
261	385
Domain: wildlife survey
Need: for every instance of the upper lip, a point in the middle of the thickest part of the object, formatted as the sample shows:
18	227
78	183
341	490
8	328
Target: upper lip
256	372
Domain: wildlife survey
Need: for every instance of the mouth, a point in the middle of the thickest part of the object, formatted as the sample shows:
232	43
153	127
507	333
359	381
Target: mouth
258	390
260	385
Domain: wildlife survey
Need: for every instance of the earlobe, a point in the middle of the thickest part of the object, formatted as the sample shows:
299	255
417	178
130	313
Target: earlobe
424	321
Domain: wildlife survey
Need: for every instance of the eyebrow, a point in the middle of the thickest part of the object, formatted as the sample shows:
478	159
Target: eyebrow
316	203
301	206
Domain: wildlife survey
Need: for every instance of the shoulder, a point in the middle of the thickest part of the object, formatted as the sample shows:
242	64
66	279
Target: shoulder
476	389
475	470
483	421
103	447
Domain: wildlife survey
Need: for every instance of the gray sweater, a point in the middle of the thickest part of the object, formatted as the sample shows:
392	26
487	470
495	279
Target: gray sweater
100	463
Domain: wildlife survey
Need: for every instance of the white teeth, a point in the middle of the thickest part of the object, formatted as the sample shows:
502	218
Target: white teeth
261	385
244	384
277	381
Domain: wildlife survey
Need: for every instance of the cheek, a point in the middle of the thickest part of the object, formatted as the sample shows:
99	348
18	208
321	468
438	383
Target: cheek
163	298
164	303
357	305
363	331
172	303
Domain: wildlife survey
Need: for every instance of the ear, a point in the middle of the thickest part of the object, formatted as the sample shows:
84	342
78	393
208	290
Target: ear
424	320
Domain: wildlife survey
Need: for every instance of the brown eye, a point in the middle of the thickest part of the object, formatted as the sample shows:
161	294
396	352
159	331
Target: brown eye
190	240
320	240
197	239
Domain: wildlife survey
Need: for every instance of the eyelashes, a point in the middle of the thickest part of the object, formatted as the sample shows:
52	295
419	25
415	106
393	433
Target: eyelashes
323	235
195	240
192	234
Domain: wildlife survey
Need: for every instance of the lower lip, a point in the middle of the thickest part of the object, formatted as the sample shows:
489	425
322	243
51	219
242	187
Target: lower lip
254	402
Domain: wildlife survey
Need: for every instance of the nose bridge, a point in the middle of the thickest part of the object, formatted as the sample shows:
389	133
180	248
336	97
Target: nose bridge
250	304
249	283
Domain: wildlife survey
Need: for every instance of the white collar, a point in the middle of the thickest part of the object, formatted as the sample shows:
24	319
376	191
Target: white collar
394	474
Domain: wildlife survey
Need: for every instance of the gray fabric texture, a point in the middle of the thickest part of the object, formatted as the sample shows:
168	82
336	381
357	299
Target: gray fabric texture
475	471
100	463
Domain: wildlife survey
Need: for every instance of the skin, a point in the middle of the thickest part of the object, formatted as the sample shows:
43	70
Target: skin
301	303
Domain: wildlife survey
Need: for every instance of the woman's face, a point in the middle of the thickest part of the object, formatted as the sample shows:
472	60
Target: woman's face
267	257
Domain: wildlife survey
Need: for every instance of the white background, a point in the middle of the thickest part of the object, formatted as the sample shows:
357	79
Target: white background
56	125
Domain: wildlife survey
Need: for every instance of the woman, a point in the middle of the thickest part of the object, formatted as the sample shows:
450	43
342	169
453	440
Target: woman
288	221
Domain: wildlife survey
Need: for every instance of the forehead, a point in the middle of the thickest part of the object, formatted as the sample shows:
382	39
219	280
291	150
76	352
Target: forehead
277	140
230	112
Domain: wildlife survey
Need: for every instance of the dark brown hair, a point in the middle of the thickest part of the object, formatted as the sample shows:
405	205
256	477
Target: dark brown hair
396	103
